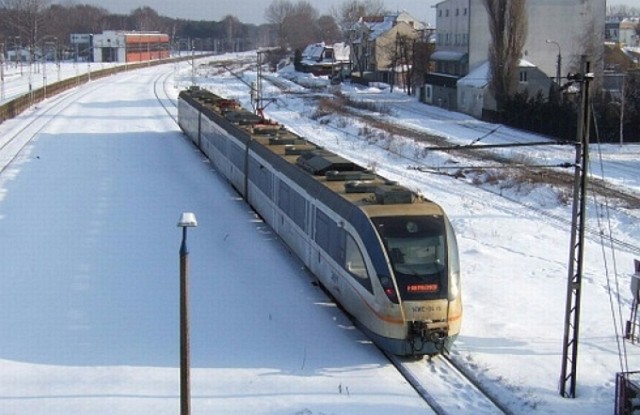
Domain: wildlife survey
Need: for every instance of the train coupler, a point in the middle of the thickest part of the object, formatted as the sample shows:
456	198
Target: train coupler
422	332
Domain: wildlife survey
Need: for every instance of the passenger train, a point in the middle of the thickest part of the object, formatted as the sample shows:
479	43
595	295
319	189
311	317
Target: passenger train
388	256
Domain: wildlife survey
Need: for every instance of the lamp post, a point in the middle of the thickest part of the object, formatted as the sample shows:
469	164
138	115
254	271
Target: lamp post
559	61
187	220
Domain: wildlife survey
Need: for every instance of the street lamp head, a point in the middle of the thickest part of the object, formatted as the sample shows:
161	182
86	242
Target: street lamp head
187	219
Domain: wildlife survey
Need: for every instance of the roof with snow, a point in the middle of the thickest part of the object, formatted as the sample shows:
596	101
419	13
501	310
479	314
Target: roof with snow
477	78
316	53
481	75
632	53
378	25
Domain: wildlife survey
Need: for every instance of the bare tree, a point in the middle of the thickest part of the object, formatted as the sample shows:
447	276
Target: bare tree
296	23
508	28
423	49
622	11
349	17
351	11
302	25
233	32
63	20
328	30
406	46
276	14
147	19
26	18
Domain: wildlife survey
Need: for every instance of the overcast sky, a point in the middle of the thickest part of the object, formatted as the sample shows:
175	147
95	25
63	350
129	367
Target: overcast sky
252	11
247	11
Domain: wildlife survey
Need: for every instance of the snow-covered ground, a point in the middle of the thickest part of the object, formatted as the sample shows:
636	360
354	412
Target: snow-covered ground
18	76
89	287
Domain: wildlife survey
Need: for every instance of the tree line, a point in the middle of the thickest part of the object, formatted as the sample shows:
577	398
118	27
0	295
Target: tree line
27	23
288	24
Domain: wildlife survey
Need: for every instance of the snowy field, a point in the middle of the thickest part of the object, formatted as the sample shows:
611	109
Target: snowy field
89	291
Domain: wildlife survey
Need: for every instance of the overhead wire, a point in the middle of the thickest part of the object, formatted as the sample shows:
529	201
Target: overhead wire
613	299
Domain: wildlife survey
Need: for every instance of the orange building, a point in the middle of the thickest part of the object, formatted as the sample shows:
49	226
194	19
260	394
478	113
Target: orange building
121	46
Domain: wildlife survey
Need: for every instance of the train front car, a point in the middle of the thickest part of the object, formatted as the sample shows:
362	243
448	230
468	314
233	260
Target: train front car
389	257
419	274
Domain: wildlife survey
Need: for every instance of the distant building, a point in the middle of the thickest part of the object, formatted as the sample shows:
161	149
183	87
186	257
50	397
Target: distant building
321	59
122	46
559	32
474	97
19	55
629	32
374	43
612	29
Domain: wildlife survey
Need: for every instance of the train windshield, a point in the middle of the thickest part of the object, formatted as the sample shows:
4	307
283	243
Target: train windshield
416	246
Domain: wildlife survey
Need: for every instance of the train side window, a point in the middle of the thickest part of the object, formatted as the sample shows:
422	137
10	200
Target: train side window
283	197
355	264
322	230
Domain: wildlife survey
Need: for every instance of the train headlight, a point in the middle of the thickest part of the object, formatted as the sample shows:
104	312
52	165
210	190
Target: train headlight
389	289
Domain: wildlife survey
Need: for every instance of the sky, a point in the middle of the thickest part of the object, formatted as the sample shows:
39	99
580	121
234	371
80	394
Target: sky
89	247
252	11
247	11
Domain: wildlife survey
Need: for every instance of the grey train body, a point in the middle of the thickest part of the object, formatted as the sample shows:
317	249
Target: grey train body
387	256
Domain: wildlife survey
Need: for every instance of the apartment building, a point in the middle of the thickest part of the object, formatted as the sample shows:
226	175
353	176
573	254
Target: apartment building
559	32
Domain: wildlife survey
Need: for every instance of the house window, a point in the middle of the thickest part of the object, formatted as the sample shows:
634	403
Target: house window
440	13
465	11
523	76
457	12
447	13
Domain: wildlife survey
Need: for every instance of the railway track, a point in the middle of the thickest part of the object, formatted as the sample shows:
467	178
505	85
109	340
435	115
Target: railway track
446	387
554	177
597	186
160	90
12	143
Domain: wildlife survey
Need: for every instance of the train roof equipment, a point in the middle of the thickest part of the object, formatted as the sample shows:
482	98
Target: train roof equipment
357	184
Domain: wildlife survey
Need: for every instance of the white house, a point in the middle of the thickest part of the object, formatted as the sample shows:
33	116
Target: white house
572	27
474	97
322	59
629	32
559	32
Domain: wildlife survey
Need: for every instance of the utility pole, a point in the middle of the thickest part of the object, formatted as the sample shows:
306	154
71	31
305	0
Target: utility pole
256	90
2	72
574	282
622	99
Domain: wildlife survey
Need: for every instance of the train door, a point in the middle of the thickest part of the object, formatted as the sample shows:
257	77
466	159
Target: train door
199	134
310	231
